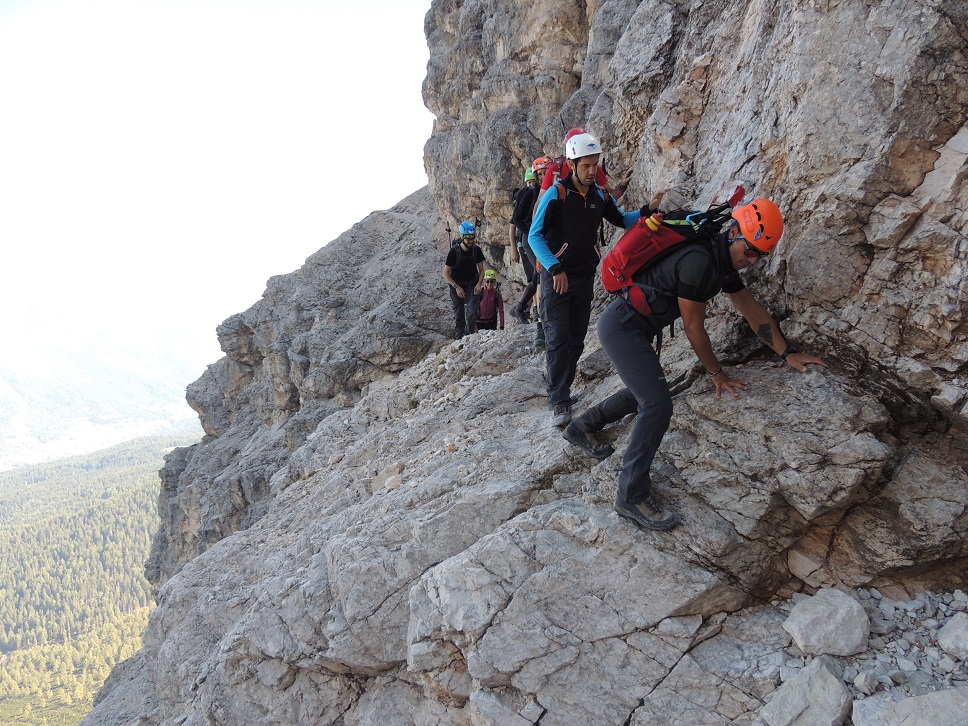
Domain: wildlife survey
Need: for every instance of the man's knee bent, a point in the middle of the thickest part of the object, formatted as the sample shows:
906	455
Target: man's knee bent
658	410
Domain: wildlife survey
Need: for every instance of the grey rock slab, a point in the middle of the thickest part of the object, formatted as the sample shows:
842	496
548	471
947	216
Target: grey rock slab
953	637
942	708
815	697
830	622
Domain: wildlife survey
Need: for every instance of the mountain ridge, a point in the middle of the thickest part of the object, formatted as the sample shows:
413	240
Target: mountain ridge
380	524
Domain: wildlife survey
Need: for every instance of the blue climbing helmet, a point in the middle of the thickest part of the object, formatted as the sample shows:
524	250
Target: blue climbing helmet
467	229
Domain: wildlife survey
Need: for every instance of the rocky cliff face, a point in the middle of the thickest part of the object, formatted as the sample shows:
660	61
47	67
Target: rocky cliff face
381	526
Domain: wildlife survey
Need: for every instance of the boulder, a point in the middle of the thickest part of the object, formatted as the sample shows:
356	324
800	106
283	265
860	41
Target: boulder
830	622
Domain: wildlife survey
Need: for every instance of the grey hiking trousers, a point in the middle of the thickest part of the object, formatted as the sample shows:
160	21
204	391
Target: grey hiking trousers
626	339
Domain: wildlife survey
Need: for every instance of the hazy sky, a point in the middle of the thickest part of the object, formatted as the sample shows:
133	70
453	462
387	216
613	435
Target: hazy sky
161	159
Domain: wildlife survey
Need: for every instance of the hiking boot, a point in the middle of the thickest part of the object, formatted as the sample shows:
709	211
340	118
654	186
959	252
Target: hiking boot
577	437
561	415
518	314
572	401
647	514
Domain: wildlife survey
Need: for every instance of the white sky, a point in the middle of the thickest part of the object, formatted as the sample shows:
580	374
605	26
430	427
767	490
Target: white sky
161	159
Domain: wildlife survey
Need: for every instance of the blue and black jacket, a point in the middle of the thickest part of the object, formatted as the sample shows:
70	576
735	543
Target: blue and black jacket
564	232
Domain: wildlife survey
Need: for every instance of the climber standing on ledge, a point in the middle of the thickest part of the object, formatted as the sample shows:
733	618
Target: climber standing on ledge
564	238
464	273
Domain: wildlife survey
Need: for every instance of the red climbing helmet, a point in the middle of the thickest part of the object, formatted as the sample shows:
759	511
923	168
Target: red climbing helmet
574	132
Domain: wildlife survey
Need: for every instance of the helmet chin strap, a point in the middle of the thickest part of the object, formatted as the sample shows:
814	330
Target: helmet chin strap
578	180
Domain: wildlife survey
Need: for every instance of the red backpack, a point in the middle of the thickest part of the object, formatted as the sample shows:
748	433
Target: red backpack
650	238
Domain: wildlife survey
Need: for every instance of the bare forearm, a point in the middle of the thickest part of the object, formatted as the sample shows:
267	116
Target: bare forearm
760	320
767	329
699	340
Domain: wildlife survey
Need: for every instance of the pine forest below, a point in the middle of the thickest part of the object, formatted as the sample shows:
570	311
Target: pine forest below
74	537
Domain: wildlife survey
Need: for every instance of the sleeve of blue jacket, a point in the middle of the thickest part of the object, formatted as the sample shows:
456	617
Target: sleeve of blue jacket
628	218
536	238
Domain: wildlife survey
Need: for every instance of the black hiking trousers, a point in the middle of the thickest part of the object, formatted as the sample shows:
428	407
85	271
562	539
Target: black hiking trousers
565	320
527	260
628	342
534	279
465	309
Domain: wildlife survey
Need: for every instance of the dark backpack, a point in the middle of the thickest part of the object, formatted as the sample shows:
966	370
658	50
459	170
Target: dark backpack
459	254
523	210
651	238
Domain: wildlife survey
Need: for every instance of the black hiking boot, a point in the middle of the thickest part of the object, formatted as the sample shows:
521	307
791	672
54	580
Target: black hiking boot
647	514
518	314
561	415
575	436
572	401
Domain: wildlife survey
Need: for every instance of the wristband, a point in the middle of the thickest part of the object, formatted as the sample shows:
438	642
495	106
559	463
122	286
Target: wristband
716	372
788	352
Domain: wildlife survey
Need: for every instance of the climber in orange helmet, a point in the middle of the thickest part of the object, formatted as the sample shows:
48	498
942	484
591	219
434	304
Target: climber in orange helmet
683	282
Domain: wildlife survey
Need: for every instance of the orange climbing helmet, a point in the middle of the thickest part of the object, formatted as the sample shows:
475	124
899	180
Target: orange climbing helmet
541	164
761	223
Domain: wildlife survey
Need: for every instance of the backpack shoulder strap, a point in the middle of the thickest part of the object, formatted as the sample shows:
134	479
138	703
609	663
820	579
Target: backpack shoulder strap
601	223
558	168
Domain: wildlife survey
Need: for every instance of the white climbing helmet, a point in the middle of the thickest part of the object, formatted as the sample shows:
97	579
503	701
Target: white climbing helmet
582	145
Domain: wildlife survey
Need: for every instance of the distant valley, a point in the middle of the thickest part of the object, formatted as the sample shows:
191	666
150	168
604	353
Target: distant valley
58	402
74	535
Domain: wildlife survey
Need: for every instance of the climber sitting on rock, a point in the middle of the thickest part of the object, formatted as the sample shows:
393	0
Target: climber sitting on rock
684	280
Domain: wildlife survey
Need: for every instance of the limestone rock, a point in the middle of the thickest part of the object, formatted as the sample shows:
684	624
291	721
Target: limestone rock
953	637
815	696
918	517
306	350
943	708
830	622
381	525
866	683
